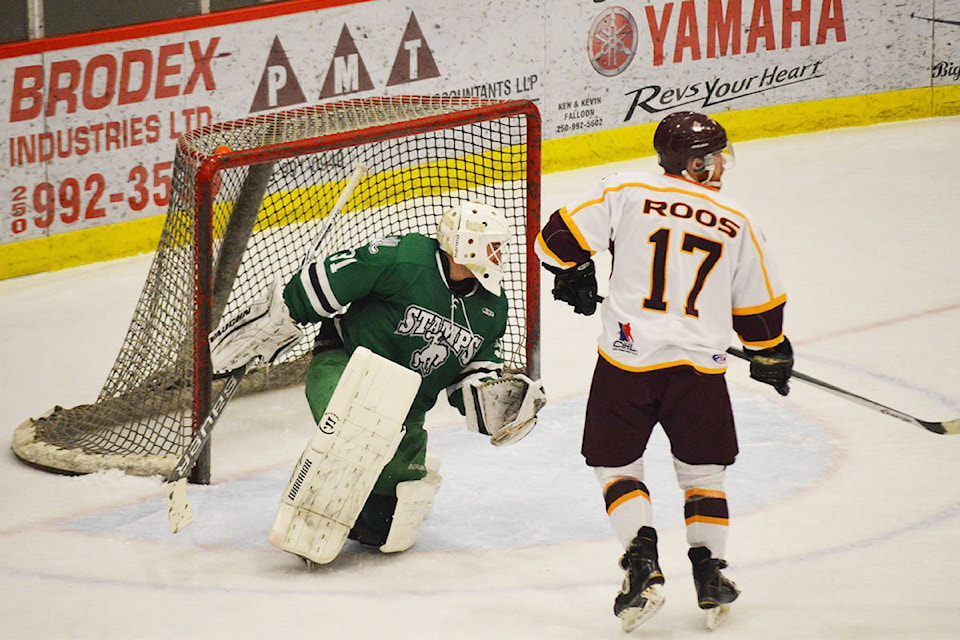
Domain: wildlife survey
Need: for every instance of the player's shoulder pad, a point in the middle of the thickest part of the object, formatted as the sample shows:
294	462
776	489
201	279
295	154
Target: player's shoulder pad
412	249
417	248
384	250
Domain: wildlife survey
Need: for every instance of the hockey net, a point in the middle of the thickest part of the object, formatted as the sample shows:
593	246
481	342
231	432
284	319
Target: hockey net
247	202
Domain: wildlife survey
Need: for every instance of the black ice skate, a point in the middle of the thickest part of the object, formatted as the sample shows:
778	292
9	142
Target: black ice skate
642	593
715	591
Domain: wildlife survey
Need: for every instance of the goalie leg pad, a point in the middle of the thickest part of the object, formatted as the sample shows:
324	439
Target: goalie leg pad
357	435
414	503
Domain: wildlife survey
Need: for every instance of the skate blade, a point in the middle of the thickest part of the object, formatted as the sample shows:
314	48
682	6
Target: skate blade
717	616
653	599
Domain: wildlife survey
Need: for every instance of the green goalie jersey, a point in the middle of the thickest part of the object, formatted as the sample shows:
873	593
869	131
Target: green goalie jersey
393	297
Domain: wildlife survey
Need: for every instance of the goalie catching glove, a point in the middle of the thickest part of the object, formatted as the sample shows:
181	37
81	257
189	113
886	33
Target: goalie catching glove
264	331
504	409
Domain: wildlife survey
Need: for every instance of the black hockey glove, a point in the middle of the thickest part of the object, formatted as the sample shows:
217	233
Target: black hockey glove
773	366
577	286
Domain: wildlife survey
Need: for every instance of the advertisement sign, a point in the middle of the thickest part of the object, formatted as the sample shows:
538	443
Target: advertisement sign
89	132
631	62
89	129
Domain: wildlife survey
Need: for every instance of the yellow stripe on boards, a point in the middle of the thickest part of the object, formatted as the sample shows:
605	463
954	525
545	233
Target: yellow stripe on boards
625	143
65	250
118	240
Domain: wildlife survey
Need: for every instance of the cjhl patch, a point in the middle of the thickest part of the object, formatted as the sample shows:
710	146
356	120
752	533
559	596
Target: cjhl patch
625	340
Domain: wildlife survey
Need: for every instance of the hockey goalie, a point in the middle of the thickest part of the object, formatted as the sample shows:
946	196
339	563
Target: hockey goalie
403	319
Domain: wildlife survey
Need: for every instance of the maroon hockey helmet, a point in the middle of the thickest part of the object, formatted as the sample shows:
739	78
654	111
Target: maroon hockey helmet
683	135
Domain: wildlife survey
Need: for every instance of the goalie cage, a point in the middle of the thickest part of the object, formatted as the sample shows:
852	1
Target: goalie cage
239	218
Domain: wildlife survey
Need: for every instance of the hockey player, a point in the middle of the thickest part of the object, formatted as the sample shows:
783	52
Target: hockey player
434	306
688	266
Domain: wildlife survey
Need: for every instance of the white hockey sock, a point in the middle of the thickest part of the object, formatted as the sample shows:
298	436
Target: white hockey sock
627	499
705	505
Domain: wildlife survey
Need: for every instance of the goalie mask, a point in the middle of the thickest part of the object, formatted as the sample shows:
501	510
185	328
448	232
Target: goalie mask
475	235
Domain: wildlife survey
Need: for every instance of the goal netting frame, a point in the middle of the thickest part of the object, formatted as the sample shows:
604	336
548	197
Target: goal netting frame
247	200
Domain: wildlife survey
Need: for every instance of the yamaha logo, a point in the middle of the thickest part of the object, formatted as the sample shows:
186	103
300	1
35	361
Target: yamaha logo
613	41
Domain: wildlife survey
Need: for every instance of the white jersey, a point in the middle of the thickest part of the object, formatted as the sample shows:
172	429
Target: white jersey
685	261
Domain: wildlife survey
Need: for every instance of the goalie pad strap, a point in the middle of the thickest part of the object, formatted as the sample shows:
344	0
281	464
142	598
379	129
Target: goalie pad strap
357	435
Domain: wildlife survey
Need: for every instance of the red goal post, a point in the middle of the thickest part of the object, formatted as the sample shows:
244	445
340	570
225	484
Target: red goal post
247	201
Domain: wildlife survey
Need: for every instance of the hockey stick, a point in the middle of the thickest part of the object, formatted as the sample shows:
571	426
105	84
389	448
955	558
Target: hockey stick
951	427
359	170
178	508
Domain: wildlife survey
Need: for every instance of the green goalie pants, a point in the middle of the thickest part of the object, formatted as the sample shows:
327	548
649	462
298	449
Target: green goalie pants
408	463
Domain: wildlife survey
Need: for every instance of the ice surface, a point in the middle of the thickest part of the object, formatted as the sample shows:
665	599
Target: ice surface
845	523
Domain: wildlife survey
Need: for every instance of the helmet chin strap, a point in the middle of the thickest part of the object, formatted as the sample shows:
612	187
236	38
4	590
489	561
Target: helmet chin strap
716	184
710	168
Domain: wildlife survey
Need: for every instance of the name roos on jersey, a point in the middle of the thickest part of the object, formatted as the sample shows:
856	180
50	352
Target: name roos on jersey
681	209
